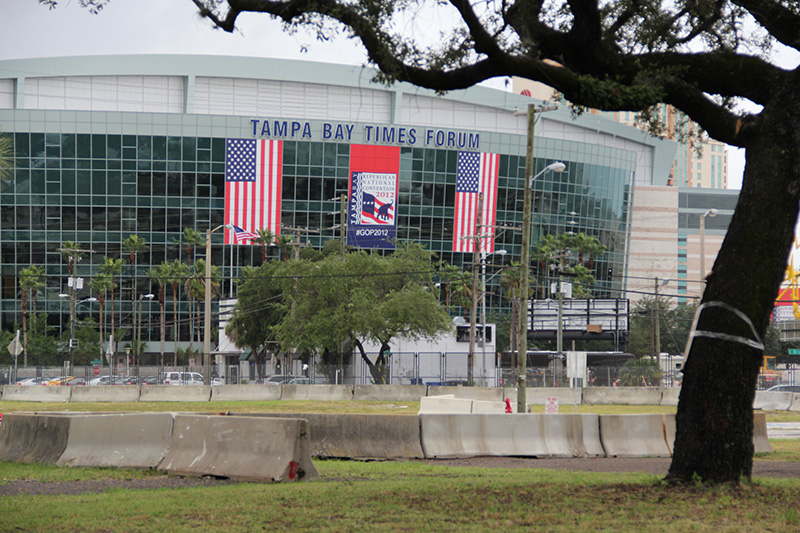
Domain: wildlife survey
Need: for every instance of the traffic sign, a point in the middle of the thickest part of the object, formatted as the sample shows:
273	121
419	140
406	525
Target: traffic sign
794	352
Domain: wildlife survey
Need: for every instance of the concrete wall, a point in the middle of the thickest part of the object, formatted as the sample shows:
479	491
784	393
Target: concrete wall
238	447
766	401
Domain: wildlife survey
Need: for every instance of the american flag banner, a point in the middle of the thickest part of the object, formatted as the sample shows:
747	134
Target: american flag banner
475	173
243	235
253	179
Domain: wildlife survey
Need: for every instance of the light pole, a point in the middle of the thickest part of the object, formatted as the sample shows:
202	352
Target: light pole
137	350
74	283
207	321
483	304
522	329
659	283
710	213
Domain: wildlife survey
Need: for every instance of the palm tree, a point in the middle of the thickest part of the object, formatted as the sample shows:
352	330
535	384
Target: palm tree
191	238
178	273
112	267
265	238
71	253
284	242
31	280
6	156
161	276
195	287
133	245
101	284
511	281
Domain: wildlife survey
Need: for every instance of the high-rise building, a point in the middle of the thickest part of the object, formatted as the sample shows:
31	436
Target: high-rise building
700	162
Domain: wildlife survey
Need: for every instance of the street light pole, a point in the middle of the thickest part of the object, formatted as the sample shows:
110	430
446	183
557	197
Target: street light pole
659	283
138	341
207	320
710	213
483	304
477	255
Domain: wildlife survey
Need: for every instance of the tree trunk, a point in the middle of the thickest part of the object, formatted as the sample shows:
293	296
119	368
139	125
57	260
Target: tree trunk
714	439
375	369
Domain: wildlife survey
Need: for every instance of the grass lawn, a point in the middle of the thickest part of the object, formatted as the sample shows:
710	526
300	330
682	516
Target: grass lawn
408	496
400	496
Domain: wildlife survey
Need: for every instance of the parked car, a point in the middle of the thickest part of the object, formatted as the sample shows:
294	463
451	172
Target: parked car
102	380
278	379
151	380
30	381
59	380
784	388
76	382
301	381
185	378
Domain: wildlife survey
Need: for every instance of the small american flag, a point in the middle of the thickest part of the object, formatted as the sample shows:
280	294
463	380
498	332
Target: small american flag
253	178
475	173
243	235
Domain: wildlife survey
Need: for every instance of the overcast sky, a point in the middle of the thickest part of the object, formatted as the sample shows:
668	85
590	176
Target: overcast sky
173	27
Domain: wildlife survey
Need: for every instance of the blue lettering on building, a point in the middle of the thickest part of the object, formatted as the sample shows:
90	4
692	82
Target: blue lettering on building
332	131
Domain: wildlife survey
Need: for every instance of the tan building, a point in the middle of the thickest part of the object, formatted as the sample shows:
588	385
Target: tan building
666	238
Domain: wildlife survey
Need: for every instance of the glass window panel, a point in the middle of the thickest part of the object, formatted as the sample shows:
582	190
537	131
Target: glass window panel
22	145
99	146
174	148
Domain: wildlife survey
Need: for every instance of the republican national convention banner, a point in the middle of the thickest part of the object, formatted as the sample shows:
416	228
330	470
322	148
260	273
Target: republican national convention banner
253	181
372	209
475	173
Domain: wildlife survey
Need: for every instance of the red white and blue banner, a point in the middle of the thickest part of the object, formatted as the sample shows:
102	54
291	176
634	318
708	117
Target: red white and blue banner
372	207
253	178
475	173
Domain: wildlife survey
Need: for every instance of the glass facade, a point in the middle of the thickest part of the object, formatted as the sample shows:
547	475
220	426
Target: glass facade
98	177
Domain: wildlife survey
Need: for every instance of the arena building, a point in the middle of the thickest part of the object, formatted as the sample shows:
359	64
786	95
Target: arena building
113	146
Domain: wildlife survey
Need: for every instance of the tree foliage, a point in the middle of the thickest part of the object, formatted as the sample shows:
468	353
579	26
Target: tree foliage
321	305
259	310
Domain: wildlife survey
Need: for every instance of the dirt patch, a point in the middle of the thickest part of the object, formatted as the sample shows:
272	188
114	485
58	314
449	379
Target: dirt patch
32	488
657	466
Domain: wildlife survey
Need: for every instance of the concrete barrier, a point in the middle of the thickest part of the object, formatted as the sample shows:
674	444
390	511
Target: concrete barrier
240	447
634	436
175	393
489	394
38	393
670	396
361	436
444	405
522	435
32	438
481	407
795	402
389	393
245	393
124	440
571	435
760	440
622	396
772	401
317	392
539	395
105	393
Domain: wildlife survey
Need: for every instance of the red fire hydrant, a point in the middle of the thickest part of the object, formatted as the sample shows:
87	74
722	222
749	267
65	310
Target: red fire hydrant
508	406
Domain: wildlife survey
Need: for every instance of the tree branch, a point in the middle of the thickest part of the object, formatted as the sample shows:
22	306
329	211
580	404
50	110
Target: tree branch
780	22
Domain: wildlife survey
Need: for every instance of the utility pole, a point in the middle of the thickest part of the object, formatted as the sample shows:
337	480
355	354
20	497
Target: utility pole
522	331
296	243
522	326
74	284
477	258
